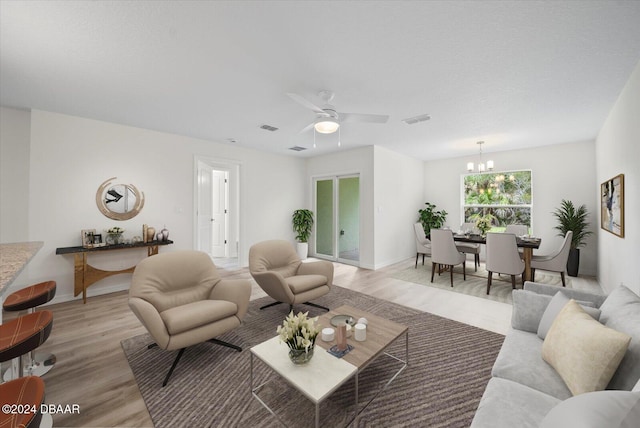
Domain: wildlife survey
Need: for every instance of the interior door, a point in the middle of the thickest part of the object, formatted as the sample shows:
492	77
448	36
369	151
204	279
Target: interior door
325	230
205	194
219	202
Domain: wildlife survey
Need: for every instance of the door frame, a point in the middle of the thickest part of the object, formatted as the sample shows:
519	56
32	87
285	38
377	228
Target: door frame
336	215
235	219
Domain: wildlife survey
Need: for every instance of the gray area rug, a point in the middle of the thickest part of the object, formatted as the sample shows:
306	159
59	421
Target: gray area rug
476	283
449	366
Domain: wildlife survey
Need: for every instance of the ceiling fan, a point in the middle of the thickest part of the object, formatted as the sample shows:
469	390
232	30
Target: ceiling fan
328	119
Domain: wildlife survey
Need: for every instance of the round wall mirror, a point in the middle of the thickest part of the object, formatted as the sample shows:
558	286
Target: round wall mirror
119	201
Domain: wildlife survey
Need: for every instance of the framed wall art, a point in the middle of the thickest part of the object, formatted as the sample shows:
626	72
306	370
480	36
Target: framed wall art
612	205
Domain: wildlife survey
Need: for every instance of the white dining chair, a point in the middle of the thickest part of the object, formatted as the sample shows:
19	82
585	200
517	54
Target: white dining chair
445	253
503	257
469	247
423	245
554	262
517	229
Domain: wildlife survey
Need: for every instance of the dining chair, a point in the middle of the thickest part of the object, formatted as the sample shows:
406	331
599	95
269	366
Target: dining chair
468	247
444	252
554	262
517	229
503	257
423	245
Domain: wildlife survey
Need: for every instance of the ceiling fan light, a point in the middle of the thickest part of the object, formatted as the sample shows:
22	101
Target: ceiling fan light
326	126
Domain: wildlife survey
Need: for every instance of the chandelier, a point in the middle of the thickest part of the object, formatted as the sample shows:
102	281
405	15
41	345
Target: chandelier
481	165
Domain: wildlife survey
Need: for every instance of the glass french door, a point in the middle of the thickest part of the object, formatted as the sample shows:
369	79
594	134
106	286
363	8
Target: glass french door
337	226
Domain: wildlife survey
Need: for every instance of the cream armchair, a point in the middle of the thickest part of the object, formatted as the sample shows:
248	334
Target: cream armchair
281	274
182	301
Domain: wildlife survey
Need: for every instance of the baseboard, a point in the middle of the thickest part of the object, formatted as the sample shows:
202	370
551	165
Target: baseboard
67	297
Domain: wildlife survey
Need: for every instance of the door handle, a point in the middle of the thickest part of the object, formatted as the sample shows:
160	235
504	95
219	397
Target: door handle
341	232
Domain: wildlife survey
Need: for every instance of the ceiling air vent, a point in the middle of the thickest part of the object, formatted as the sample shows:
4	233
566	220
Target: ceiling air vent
268	128
416	119
297	148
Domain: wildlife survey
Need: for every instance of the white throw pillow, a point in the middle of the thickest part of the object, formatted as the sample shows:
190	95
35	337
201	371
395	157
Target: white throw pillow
584	352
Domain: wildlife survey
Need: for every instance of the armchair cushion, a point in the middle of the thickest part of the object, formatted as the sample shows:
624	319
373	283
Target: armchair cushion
302	283
196	314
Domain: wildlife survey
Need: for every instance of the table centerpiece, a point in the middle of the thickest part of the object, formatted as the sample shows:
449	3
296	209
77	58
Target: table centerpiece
299	332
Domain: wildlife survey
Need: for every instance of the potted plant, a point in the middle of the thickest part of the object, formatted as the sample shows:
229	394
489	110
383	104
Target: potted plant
575	220
302	224
299	332
431	219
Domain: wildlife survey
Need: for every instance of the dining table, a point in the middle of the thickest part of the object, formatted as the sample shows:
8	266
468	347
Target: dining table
528	244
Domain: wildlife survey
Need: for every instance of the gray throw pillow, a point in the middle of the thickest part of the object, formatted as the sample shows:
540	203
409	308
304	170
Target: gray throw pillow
611	409
528	308
555	306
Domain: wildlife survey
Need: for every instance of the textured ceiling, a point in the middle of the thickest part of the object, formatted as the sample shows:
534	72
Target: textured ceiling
514	74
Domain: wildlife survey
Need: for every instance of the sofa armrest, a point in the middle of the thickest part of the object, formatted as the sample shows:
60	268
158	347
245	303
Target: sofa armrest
551	290
237	291
321	267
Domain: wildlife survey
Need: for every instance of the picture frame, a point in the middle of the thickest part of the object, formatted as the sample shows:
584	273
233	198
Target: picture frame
97	239
612	205
87	236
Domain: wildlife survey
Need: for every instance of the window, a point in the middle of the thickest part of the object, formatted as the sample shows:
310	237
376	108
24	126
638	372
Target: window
505	195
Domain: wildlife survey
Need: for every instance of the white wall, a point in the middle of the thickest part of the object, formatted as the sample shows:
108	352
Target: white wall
398	193
564	171
71	156
348	162
14	174
618	152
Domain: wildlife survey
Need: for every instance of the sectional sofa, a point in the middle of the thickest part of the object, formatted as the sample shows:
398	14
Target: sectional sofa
527	391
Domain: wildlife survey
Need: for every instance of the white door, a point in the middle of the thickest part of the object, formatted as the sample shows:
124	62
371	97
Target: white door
219	202
205	194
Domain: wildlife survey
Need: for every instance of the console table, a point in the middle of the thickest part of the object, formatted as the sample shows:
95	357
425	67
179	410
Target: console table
86	275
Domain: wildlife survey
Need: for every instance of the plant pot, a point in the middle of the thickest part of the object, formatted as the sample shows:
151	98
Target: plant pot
303	250
300	356
573	262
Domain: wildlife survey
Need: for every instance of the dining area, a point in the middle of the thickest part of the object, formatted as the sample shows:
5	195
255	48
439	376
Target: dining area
507	252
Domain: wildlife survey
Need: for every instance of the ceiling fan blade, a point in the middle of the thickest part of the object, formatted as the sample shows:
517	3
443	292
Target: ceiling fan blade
304	102
359	117
308	127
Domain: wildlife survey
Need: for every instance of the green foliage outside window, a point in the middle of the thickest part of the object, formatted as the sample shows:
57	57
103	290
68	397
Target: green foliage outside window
504	195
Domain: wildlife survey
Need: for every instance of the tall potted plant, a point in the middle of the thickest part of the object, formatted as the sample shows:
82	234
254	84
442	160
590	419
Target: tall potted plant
302	224
431	218
575	220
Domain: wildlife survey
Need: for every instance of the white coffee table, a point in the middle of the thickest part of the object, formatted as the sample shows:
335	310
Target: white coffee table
325	373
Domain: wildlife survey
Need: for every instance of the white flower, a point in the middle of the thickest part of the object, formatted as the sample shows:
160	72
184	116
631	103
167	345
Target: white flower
298	331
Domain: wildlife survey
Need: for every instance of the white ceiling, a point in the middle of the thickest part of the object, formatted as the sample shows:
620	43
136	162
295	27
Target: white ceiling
514	74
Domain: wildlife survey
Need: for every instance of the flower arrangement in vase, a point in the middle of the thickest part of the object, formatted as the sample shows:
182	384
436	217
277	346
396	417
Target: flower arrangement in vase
299	332
114	235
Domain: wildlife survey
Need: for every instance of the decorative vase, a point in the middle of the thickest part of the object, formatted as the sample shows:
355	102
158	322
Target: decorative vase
114	238
302	248
151	233
573	262
165	234
301	356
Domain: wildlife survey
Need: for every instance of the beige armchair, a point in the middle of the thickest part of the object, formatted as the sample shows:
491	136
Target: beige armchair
182	301
281	274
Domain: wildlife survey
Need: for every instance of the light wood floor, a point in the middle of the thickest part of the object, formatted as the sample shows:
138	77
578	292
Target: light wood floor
92	370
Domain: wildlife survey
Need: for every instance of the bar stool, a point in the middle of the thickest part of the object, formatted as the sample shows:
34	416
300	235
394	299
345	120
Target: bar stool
23	334
28	299
25	392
